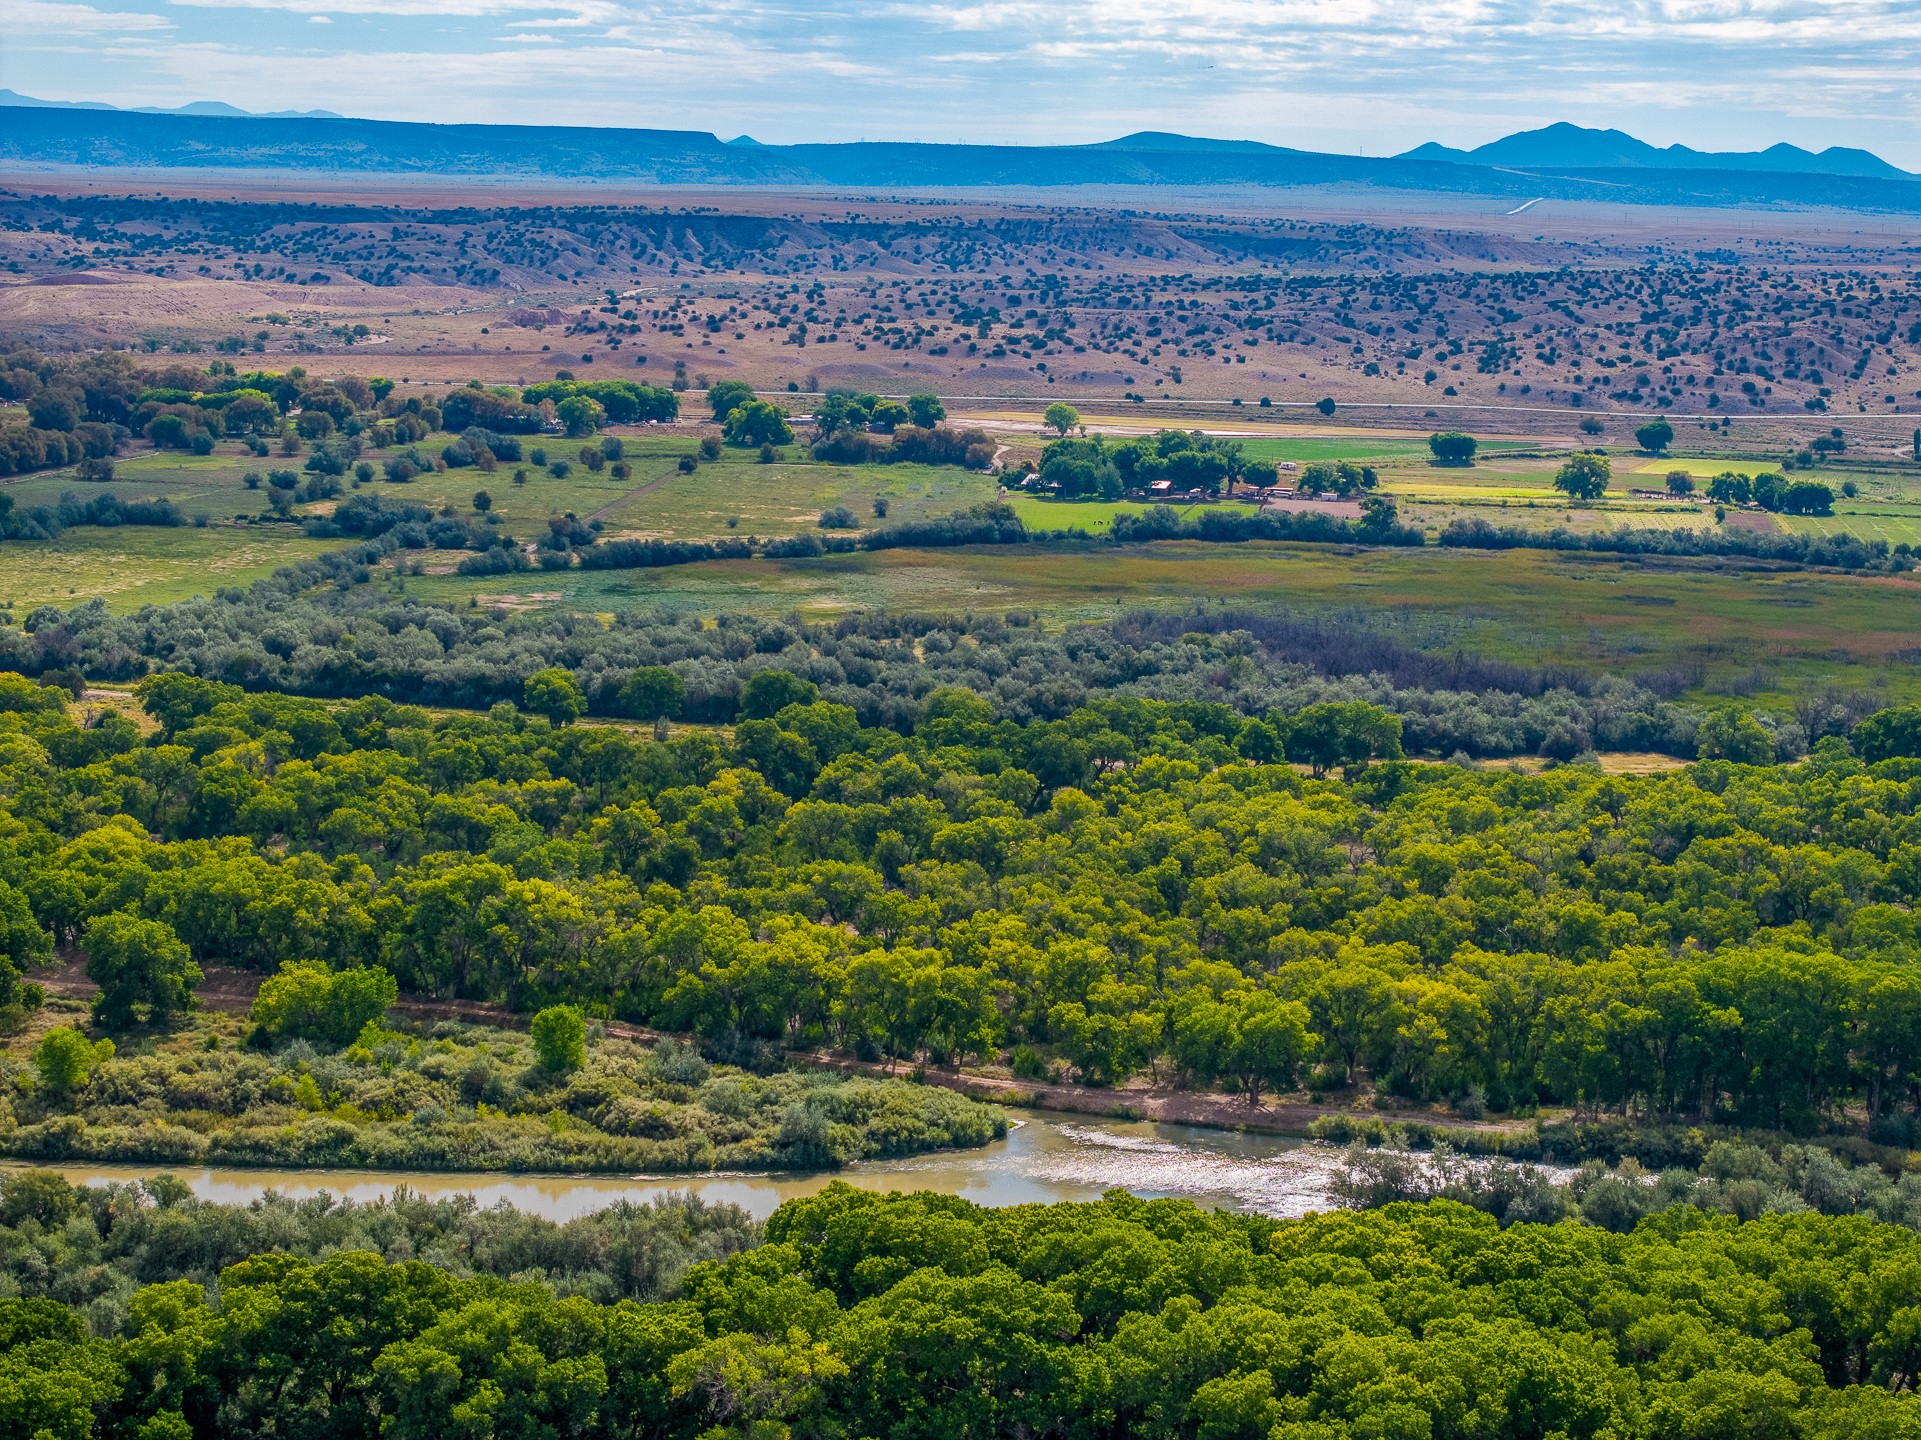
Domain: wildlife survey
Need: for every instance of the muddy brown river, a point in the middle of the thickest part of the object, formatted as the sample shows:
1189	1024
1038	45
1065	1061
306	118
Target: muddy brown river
1046	1156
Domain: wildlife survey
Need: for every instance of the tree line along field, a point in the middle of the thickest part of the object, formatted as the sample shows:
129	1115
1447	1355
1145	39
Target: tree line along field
738	493
1775	633
657	499
788	497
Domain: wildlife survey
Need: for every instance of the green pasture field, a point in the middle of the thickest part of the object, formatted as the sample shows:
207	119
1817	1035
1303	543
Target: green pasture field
1514	492
1096	517
778	499
1776	630
208	485
1520	492
139	565
787	497
1700	467
1897	527
1509	479
1470	487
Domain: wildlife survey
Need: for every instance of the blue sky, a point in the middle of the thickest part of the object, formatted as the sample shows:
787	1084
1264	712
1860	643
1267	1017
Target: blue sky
1341	75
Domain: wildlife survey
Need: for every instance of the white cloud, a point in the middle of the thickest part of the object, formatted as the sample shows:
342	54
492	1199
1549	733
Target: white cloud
49	17
1338	74
450	9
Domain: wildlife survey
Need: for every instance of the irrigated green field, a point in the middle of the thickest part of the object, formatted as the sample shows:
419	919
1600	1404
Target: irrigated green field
740	495
1096	517
208	485
139	565
1871	521
657	499
1771	629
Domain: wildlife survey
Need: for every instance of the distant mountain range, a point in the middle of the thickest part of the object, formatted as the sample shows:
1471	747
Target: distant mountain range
198	107
1558	162
1567	146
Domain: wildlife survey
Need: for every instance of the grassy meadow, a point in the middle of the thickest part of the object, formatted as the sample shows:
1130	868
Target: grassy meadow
131	566
230	544
1749	627
1096	517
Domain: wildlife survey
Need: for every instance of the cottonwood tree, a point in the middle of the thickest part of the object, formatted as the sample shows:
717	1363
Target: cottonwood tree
1451	447
555	694
560	1038
758	422
1655	436
654	693
65	1059
767	692
727	396
1584	477
308	1000
138	963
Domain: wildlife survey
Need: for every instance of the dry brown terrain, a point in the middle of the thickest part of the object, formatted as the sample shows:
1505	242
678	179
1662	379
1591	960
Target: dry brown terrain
1411	311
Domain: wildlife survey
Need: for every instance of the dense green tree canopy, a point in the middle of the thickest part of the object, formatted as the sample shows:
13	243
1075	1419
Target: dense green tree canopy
924	1316
653	692
724	397
143	970
308	1000
1655	436
758	422
554	694
1729	941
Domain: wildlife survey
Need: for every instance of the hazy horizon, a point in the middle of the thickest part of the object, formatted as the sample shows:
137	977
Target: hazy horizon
1346	76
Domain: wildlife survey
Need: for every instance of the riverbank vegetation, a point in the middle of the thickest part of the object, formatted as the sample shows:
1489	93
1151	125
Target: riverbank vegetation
1727	1176
91	1247
925	1315
1139	887
454	1096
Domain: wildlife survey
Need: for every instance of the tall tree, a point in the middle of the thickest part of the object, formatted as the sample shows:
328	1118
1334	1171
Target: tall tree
555	694
1584	476
138	964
